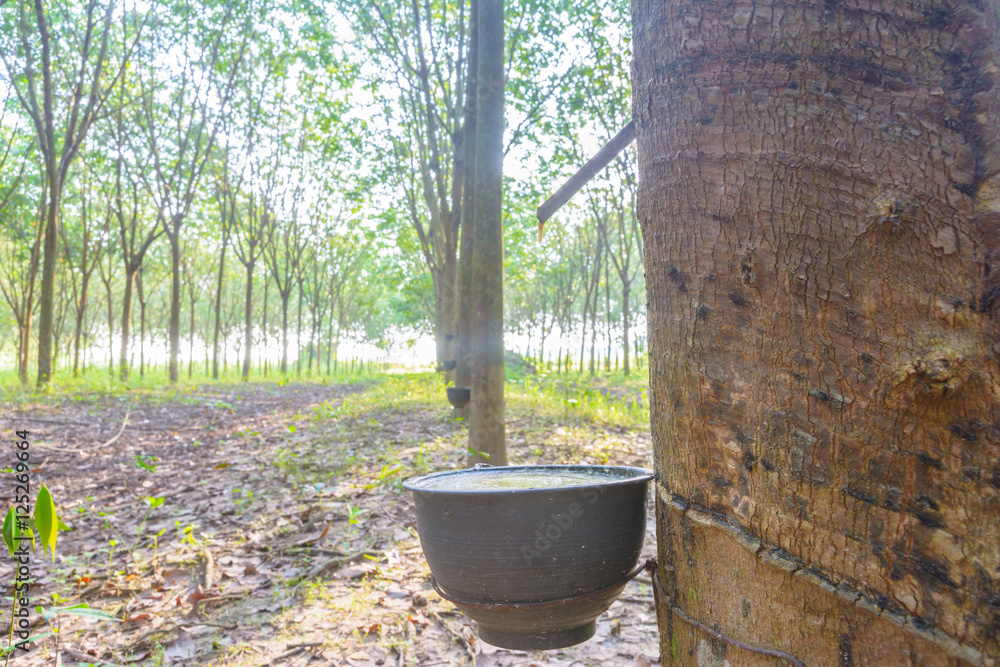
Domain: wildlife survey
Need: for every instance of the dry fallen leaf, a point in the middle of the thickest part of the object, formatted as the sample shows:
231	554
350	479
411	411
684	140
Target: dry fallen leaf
174	579
182	649
137	618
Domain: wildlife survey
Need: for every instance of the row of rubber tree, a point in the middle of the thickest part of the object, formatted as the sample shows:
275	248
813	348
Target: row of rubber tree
261	138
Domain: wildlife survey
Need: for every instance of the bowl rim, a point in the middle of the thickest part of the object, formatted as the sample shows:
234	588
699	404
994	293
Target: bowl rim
637	475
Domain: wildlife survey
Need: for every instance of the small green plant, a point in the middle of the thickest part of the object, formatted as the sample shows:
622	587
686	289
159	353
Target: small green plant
111	551
146	462
420	463
353	514
188	537
242	496
246	434
388	476
151	504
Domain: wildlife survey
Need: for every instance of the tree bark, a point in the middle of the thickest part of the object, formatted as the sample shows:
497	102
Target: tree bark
626	317
142	323
46	304
174	234
248	323
820	212
285	294
191	342
463	371
23	349
486	416
126	322
218	307
298	336
111	327
81	312
263	324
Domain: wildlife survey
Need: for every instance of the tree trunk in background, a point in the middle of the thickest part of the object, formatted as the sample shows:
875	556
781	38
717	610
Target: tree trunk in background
820	208
218	306
298	336
593	311
142	324
23	349
191	342
486	415
284	330
174	234
50	252
607	301
626	316
263	325
248	324
111	328
126	323
463	372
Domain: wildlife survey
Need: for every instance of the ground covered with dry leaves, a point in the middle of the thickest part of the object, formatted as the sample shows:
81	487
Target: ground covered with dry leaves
264	524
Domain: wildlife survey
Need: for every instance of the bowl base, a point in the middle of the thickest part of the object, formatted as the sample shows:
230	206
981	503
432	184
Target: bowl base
542	641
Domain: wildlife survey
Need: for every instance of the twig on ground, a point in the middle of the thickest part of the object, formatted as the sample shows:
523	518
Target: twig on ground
290	654
224	626
86	657
319	569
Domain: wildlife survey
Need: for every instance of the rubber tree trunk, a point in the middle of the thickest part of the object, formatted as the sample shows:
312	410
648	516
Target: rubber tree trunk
263	325
81	314
191	341
820	206
248	323
218	308
463	371
298	336
174	234
285	294
626	317
50	257
111	329
23	349
142	324
126	322
486	416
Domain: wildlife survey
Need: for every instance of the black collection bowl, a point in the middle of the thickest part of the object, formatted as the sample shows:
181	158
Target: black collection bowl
534	567
458	396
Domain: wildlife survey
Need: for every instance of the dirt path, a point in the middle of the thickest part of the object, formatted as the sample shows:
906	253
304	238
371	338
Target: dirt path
283	537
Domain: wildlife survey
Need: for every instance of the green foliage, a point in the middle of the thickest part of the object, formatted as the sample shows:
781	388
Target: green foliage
46	521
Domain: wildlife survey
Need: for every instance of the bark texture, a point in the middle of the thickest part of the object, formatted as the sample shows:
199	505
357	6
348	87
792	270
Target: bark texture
820	208
487	442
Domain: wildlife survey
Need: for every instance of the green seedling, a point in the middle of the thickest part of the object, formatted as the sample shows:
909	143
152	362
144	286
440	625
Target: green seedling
146	462
242	496
151	504
352	520
388	474
246	434
188	537
111	551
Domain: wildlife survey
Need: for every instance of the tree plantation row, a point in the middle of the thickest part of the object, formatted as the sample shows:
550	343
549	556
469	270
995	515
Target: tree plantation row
257	182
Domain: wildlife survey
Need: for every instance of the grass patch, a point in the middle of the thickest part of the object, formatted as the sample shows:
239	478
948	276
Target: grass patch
95	385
